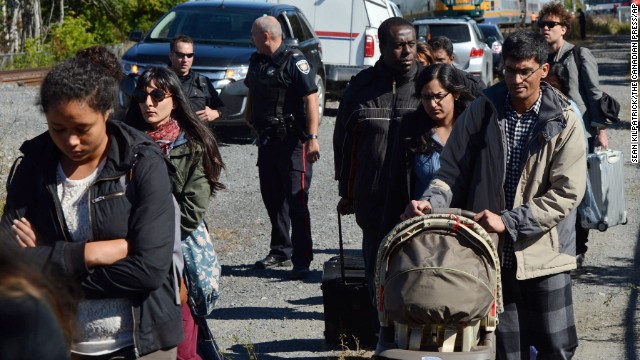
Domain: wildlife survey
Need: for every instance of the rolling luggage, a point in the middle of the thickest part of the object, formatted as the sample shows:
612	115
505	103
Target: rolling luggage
438	282
606	175
347	308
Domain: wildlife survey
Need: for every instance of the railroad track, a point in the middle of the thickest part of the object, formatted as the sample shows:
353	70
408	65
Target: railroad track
32	77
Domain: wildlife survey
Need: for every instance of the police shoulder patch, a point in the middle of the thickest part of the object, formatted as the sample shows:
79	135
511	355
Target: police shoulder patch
303	66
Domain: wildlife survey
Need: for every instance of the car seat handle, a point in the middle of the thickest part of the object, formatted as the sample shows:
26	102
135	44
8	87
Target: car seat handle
454	211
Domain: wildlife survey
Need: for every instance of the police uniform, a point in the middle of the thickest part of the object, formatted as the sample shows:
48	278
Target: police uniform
200	92
277	84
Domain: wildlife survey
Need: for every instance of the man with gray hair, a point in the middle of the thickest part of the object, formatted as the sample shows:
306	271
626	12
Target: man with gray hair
283	109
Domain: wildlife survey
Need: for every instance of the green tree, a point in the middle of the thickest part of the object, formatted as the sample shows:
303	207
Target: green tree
70	37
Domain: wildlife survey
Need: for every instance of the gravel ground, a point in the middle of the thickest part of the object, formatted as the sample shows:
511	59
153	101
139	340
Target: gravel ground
261	315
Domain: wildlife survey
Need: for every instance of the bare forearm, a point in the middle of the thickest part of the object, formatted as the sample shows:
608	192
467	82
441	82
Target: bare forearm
107	252
313	116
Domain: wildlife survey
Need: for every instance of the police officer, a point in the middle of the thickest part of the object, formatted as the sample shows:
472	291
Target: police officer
203	97
283	109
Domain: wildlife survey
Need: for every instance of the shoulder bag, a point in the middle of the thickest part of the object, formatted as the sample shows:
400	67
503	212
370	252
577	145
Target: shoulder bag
201	271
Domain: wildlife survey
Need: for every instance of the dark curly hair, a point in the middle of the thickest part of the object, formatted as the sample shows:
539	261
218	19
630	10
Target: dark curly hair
556	9
451	80
81	80
102	56
167	80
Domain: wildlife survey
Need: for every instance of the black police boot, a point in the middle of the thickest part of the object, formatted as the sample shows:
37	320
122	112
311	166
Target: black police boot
271	261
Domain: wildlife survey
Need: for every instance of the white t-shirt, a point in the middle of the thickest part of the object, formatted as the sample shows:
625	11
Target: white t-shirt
103	325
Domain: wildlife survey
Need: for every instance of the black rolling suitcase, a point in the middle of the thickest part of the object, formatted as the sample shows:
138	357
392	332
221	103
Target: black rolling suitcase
347	308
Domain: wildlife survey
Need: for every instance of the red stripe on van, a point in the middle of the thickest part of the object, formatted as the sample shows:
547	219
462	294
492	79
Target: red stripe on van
337	34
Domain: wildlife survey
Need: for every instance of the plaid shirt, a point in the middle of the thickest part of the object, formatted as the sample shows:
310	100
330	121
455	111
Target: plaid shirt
518	132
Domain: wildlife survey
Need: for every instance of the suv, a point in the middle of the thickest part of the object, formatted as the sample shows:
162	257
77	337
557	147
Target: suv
472	54
222	43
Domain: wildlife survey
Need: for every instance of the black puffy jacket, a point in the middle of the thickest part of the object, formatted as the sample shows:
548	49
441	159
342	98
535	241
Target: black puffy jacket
142	212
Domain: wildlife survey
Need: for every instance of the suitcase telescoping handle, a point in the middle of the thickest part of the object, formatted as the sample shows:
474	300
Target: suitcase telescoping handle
341	247
455	211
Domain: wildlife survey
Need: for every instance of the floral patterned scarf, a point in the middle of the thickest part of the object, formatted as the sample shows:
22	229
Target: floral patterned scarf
165	135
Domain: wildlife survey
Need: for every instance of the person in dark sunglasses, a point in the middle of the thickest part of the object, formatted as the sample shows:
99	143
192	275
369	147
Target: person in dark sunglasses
583	89
162	110
198	88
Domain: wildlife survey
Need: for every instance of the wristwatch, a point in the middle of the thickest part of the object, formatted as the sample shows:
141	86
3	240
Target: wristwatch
312	136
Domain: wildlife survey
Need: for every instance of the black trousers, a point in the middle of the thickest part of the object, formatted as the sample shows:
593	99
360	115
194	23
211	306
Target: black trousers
285	177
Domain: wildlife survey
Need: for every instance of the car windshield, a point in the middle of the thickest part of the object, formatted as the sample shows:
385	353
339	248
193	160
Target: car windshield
221	26
458	33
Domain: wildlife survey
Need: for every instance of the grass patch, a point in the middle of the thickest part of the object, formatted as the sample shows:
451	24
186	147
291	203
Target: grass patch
247	346
347	354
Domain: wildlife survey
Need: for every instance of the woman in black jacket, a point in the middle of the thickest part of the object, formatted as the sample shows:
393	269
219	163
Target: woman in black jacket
91	201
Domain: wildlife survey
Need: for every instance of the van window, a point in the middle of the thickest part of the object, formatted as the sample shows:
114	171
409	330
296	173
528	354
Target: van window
458	33
219	26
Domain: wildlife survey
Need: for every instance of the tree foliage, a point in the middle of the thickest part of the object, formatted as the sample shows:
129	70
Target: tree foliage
37	32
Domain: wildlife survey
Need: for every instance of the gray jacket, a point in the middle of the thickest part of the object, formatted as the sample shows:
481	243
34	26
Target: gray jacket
587	94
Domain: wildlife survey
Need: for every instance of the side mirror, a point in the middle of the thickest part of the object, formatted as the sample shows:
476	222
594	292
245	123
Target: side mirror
136	35
291	42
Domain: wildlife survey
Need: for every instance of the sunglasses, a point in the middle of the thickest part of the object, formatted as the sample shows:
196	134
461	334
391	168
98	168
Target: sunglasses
183	55
157	95
549	24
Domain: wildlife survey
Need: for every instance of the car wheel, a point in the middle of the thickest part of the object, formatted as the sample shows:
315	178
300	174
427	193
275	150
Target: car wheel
321	94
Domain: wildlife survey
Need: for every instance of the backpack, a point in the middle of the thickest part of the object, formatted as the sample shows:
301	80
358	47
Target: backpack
608	107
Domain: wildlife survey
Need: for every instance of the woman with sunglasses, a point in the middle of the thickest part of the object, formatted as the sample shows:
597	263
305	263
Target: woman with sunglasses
163	111
444	97
91	202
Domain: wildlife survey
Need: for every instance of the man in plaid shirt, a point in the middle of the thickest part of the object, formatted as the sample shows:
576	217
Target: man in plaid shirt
516	158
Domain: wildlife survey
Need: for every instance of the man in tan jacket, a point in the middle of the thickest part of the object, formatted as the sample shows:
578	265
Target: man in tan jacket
517	159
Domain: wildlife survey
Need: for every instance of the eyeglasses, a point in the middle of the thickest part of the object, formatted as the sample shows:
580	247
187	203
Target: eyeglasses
157	95
182	55
549	24
436	97
524	73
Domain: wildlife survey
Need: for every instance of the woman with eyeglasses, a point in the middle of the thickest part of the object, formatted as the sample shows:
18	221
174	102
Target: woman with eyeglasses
444	97
90	201
162	110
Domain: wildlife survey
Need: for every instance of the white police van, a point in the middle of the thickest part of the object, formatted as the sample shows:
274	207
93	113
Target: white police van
348	32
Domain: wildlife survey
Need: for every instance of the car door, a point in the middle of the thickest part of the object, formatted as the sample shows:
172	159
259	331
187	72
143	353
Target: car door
296	27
